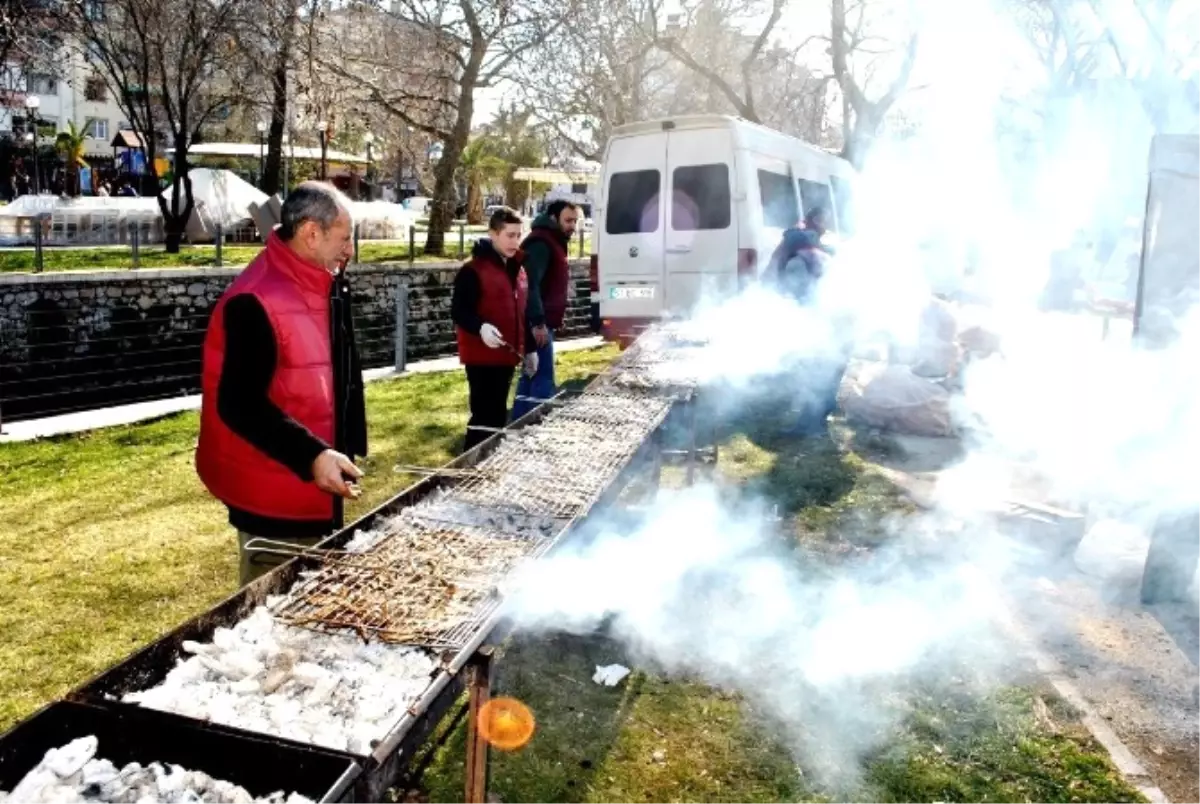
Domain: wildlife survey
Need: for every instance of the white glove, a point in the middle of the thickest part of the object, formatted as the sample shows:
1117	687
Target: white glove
491	336
531	364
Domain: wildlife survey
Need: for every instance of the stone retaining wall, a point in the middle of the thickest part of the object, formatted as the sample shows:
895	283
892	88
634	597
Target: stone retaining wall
71	341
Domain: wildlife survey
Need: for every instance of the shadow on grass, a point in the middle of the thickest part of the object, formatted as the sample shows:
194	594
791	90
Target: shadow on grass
578	722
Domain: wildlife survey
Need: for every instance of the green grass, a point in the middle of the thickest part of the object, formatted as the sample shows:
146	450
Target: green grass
108	539
659	738
91	259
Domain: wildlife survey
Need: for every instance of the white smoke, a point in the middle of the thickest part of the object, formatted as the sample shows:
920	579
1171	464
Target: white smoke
705	587
976	202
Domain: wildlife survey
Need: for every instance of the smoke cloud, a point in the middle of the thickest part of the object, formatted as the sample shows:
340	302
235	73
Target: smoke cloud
1000	174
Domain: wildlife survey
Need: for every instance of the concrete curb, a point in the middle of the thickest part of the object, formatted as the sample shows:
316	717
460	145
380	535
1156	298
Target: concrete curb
137	412
1123	758
1129	766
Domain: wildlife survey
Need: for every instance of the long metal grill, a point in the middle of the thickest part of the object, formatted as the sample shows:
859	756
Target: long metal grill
431	577
638	413
424	583
556	469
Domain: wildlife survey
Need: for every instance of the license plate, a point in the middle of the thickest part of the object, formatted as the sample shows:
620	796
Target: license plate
631	293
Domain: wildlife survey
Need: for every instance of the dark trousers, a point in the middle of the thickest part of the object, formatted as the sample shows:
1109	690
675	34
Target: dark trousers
487	387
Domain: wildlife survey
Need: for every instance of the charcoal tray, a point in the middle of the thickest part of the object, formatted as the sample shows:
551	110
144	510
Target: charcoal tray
261	765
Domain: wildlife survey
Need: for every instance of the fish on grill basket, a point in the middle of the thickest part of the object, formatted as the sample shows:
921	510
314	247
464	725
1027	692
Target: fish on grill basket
425	579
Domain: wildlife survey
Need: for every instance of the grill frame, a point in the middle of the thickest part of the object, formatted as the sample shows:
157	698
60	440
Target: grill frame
261	764
386	765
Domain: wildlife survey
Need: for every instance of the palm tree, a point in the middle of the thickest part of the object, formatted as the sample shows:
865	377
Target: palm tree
480	167
519	144
70	144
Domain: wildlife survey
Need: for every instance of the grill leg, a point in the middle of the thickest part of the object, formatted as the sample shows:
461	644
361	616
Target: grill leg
479	688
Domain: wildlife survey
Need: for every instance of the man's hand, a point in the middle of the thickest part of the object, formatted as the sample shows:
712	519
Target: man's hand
330	472
531	364
491	336
541	335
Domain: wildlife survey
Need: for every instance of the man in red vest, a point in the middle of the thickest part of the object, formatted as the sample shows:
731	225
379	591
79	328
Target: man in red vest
488	309
282	407
546	264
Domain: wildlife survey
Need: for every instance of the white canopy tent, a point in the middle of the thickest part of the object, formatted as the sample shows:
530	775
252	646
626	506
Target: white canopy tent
221	197
253	150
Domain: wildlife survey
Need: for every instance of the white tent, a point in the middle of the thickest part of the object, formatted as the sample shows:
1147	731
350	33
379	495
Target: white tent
221	197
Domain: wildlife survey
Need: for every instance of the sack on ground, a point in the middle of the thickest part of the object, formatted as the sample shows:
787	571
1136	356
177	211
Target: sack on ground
897	400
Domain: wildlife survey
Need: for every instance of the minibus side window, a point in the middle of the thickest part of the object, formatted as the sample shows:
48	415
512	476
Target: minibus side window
778	200
701	199
632	204
844	199
816	194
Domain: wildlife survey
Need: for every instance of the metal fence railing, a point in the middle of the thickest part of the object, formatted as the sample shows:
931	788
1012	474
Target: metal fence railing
58	359
46	242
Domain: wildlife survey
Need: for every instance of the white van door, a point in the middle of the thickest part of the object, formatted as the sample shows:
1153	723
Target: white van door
630	241
701	238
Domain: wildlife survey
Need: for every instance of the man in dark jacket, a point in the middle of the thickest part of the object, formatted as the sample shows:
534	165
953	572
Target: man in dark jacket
546	264
282	408
799	261
488	308
796	269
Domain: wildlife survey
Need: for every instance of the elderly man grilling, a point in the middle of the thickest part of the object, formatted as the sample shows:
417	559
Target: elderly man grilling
282	408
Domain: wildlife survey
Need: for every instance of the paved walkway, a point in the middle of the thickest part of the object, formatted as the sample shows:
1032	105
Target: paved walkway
143	411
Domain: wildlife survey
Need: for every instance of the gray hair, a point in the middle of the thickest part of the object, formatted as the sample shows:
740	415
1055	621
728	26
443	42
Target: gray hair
316	201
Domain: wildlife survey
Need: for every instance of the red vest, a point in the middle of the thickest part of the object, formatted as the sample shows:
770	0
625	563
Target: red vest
295	295
557	281
501	304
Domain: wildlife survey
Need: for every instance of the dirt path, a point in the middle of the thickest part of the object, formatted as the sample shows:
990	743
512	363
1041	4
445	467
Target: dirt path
1134	667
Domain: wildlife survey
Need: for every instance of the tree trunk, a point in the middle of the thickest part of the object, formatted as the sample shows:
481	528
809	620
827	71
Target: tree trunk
175	216
279	106
474	204
441	207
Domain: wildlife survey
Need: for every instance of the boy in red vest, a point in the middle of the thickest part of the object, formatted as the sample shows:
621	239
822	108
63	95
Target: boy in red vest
282	407
488	309
546	264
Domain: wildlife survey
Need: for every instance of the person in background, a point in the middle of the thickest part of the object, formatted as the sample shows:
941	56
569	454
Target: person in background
102	191
799	261
127	190
547	265
796	268
282	408
488	308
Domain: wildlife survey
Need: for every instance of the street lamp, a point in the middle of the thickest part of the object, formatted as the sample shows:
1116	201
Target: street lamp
262	163
322	132
369	139
32	104
285	142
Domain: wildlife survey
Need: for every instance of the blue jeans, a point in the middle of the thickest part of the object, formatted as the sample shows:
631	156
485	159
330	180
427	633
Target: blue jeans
541	385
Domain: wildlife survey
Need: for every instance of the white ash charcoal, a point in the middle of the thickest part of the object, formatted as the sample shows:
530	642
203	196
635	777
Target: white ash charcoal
98	780
363	540
271	678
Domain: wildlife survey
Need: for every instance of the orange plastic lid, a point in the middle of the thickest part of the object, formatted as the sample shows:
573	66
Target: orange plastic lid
506	723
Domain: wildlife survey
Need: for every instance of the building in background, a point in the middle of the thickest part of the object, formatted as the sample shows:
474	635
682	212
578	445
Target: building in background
68	89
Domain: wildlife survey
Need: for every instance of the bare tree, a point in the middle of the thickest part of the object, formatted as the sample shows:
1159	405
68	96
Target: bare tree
599	71
28	41
266	34
168	64
466	45
1079	44
629	60
707	17
862	117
